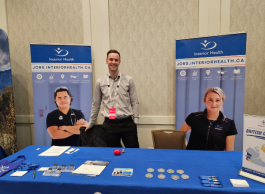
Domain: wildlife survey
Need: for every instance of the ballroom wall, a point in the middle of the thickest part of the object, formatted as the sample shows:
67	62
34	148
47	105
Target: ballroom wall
144	32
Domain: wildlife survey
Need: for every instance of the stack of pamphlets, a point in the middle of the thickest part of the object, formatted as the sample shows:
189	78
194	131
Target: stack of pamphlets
91	168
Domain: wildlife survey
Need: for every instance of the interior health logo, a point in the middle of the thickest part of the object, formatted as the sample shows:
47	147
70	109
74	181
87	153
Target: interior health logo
61	52
209	45
4	168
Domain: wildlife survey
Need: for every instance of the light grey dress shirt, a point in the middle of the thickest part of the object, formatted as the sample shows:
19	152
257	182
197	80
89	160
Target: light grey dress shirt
126	101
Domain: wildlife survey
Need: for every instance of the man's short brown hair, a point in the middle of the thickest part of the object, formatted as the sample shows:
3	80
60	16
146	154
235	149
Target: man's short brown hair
113	51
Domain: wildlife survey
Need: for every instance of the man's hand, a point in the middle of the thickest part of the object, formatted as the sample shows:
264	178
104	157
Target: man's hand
83	123
80	122
86	127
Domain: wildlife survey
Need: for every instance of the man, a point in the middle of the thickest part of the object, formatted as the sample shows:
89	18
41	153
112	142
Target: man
118	94
63	124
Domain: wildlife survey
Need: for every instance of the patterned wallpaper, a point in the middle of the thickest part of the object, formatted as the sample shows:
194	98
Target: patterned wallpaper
38	21
250	16
144	31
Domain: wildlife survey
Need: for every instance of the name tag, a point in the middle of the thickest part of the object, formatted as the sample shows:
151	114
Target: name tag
112	112
218	127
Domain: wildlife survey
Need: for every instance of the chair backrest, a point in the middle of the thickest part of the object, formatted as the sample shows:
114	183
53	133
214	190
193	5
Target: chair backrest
169	139
3	153
93	137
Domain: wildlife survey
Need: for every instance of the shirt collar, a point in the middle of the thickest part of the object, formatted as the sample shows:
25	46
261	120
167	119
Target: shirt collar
118	77
69	112
220	117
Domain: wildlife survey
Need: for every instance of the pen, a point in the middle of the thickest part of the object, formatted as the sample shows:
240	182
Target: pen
72	151
34	175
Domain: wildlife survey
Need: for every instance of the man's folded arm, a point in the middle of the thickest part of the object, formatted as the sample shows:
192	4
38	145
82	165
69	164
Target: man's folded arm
73	129
55	133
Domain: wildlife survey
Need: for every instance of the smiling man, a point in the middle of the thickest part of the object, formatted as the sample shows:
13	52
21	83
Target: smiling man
63	123
118	94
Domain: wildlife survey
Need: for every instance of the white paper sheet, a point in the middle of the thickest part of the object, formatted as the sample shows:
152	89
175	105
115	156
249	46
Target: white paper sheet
55	151
239	183
19	173
43	168
89	169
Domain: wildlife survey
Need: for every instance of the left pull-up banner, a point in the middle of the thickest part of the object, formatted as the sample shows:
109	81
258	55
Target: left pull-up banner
8	136
54	66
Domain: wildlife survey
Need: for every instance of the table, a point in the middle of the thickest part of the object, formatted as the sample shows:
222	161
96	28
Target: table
225	165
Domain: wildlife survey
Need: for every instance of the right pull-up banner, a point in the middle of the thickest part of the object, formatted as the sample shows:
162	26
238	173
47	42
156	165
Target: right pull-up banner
214	61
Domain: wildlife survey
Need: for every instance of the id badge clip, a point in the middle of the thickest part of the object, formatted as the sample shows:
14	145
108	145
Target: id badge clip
112	113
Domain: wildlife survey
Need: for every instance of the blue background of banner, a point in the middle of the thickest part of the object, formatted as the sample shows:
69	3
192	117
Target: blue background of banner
234	44
42	53
190	89
79	84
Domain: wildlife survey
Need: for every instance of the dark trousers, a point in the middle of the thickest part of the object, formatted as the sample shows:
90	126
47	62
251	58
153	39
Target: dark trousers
116	129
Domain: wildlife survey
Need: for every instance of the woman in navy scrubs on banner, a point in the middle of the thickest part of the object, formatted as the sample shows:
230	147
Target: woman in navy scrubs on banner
210	129
63	123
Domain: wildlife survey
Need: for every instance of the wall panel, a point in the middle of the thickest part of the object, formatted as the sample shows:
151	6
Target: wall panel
38	21
250	16
144	31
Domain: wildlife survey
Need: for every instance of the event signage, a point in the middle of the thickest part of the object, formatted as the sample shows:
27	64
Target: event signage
56	66
8	134
254	145
214	61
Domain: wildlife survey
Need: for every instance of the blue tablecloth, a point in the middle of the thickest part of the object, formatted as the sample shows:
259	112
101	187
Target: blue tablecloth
225	165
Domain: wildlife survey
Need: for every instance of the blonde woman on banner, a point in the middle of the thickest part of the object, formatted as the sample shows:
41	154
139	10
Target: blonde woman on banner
210	129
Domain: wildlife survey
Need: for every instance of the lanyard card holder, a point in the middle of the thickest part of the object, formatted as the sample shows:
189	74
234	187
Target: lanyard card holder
210	181
57	171
27	167
112	111
53	172
7	166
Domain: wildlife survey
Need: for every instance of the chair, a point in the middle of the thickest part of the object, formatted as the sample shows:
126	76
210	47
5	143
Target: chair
169	139
3	153
93	137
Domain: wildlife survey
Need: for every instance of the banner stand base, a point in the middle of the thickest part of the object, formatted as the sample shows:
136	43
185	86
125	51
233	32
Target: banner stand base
251	176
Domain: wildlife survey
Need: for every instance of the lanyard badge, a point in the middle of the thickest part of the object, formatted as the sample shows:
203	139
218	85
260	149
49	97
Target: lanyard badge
112	111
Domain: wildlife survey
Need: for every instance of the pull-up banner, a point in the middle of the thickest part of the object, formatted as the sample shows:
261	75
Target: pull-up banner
215	61
56	66
8	134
